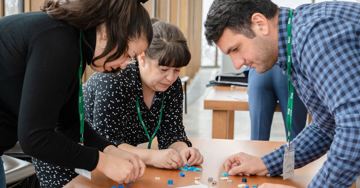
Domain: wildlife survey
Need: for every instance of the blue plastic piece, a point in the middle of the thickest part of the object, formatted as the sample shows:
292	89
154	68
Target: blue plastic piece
246	186
225	174
121	186
182	174
114	186
188	168
244	180
254	186
170	182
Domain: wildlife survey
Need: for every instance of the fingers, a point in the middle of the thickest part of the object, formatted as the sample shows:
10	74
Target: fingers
192	157
195	157
176	160
227	165
184	156
238	170
128	178
139	168
174	165
232	161
136	169
200	160
142	168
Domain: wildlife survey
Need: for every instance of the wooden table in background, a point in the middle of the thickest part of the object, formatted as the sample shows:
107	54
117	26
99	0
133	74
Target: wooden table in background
215	151
224	101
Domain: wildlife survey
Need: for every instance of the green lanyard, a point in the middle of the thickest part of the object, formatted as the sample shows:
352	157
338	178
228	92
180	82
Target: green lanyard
143	124
290	104
81	98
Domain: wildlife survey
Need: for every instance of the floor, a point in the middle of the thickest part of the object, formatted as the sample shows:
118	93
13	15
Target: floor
197	121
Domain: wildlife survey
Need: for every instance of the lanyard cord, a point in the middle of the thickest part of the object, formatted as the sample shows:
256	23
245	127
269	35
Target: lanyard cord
290	104
81	98
143	124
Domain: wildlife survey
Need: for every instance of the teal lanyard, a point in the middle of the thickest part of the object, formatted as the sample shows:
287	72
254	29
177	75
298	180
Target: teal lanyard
81	98
143	124
290	104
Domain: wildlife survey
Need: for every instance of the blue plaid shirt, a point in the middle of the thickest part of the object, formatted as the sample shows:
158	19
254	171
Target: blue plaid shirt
326	75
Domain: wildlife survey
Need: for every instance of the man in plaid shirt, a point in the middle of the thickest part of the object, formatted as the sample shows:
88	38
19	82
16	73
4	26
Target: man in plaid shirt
325	73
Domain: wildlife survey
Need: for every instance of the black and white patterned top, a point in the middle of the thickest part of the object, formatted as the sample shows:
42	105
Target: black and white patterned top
110	108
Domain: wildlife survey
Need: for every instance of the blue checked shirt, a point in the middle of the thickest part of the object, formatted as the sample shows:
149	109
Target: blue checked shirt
326	75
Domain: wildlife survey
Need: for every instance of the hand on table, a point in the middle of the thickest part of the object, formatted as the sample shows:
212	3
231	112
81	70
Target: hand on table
138	166
191	156
166	158
245	164
116	168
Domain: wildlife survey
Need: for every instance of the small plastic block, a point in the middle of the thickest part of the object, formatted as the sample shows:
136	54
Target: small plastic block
246	186
170	182
182	174
121	186
114	186
187	168
224	178
254	186
210	180
194	169
157	178
244	180
225	174
242	185
213	182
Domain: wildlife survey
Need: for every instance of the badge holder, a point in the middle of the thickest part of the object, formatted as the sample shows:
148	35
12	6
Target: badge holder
289	162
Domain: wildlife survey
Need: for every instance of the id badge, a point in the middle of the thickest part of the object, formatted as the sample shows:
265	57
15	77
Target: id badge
83	172
289	162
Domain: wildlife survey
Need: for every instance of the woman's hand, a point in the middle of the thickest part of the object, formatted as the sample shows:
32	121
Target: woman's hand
138	164
167	158
191	156
116	168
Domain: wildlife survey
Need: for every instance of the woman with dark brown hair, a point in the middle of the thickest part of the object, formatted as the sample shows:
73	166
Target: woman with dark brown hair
144	101
42	59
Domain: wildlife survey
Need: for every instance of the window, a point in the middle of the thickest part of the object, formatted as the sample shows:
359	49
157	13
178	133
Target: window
13	7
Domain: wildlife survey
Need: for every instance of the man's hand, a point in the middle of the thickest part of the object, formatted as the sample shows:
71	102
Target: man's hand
245	164
191	156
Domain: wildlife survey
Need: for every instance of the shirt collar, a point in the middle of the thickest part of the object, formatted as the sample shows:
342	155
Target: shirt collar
283	17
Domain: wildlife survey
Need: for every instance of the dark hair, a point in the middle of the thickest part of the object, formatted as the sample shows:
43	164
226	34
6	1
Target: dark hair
124	20
235	15
168	46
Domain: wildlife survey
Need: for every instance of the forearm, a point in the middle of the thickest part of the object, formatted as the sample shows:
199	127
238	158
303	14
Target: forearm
93	139
309	145
178	146
144	154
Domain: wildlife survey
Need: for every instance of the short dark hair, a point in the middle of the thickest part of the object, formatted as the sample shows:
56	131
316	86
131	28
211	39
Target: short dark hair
235	15
124	20
168	46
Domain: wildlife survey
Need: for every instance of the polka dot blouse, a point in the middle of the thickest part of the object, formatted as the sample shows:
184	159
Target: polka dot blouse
110	109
